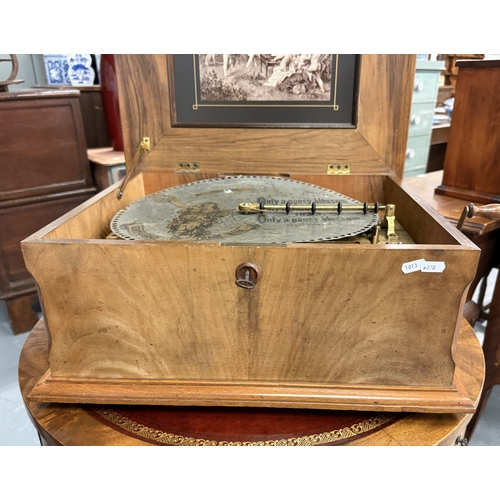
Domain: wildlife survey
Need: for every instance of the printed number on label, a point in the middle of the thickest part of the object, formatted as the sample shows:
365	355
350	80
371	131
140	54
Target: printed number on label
433	267
423	266
411	267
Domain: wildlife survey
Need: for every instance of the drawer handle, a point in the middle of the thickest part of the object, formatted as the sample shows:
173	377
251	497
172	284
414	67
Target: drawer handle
410	153
419	86
415	119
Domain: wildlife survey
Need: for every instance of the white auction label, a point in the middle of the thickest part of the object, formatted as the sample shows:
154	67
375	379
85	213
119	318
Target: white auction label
413	266
433	267
423	266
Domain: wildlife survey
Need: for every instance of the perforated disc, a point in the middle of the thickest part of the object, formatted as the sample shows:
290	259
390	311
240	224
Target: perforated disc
208	211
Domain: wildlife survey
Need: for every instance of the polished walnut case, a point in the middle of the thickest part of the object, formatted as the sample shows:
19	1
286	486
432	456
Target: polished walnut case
329	325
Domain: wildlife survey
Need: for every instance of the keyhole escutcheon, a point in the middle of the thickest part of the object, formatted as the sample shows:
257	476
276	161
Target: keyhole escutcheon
247	275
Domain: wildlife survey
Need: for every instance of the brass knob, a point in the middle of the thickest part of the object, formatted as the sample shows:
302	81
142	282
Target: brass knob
247	275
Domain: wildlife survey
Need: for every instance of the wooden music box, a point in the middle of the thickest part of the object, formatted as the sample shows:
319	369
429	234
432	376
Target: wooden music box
367	320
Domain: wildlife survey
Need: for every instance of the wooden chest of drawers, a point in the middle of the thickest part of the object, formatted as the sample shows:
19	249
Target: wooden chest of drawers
425	92
45	172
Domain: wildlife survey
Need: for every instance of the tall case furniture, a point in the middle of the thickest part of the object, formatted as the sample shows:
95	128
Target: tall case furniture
44	173
473	154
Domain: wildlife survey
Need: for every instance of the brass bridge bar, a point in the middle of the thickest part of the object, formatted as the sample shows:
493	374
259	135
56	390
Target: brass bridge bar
249	208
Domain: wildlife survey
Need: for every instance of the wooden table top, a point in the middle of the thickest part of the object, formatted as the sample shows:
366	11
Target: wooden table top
106	156
72	425
451	208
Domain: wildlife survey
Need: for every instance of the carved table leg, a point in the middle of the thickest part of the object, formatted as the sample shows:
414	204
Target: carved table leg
491	349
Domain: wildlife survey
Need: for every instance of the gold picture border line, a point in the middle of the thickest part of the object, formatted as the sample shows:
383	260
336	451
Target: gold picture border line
197	105
168	438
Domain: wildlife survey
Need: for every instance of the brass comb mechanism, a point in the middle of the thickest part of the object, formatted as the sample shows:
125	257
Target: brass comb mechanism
388	222
252	208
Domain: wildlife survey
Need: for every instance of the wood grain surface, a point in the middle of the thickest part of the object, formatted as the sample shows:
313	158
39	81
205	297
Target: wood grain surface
449	207
159	319
43	144
473	153
44	173
152	311
72	425
376	145
326	323
484	232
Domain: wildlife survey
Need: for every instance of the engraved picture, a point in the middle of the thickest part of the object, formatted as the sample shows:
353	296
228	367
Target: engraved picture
261	90
265	77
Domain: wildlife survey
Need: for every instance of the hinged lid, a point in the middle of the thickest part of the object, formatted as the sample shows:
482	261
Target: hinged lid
375	142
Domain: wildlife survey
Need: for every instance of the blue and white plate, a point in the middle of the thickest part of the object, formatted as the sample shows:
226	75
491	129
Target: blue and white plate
80	71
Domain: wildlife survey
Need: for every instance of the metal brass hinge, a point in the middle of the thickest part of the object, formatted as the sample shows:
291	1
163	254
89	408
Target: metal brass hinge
145	145
338	169
187	167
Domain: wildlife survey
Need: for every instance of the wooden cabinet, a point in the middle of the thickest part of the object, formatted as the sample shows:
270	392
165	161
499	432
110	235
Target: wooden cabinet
451	71
425	91
45	172
108	166
471	164
94	122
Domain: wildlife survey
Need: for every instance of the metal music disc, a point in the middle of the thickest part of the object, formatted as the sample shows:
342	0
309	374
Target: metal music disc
208	211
